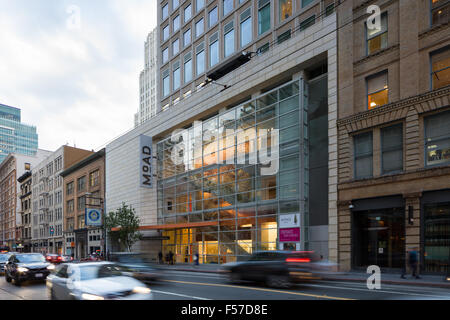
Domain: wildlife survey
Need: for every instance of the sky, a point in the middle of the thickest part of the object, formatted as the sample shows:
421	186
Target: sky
72	66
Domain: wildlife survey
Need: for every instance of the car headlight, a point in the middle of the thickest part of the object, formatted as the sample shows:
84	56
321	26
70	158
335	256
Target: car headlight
22	269
51	267
87	296
142	290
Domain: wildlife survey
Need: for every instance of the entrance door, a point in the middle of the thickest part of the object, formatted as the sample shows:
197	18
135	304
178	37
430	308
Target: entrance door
378	238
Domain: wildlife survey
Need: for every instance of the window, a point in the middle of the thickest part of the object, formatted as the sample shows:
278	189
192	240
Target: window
81	184
377	38
440	68
307	23
166	84
377	90
306	2
214	50
175	47
176	23
81	203
392	149
213	17
199	27
187	13
165	33
70	206
176	77
246	27
199	5
175	4
363	155
229	39
69	188
329	10
188	69
200	62
165	11
437	139
227	6
440	11
165	55
187	37
263	16
285	7
94	178
284	36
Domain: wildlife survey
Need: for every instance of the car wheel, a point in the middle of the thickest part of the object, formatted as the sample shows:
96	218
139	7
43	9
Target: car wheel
278	281
8	279
17	282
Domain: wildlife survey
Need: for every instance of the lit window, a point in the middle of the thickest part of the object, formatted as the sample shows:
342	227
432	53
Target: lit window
377	39
285	9
440	68
440	11
377	90
437	139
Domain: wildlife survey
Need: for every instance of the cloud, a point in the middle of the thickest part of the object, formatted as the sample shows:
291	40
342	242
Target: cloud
75	85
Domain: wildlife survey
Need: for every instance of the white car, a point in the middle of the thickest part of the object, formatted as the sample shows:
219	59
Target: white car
95	281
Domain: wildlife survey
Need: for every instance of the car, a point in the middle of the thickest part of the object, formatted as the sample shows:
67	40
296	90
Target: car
279	269
95	281
26	266
66	258
3	259
92	257
53	258
142	269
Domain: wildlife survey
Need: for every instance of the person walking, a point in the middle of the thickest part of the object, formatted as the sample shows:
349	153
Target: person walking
413	262
160	257
170	257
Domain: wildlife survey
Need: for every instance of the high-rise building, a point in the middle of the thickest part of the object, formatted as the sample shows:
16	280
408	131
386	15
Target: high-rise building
394	134
236	79
15	137
147	81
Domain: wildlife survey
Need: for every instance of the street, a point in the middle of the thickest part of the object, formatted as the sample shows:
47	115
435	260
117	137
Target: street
181	285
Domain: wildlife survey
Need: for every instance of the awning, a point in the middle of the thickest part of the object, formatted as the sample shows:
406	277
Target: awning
176	226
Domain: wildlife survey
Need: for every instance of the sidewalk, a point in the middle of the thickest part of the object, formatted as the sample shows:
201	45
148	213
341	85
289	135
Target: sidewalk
353	276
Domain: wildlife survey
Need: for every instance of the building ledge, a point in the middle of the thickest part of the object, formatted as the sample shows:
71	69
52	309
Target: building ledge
376	54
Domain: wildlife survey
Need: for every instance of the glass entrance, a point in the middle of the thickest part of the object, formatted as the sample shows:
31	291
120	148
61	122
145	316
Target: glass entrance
379	238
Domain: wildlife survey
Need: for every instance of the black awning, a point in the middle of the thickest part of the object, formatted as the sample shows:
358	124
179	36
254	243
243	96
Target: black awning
229	65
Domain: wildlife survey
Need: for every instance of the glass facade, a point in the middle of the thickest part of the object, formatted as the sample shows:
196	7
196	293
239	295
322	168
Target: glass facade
15	137
215	185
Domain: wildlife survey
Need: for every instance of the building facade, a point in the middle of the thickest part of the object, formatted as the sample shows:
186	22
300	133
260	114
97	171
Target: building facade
15	137
148	86
84	187
25	181
239	80
48	199
13	167
393	124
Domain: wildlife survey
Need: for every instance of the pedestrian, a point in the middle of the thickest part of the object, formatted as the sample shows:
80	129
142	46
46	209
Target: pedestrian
196	259
413	262
160	257
170	257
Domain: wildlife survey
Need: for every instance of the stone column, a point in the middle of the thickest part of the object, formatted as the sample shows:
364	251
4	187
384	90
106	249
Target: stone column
344	235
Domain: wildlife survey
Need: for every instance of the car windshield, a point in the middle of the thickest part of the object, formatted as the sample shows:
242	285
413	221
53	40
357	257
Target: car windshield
30	258
104	271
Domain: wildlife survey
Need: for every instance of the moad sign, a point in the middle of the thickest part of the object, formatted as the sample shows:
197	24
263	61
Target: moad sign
289	220
146	154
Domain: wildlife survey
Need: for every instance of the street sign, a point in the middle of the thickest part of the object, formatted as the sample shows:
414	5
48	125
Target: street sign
93	217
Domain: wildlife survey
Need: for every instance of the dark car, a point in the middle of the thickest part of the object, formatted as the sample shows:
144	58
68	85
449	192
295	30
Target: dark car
142	269
276	268
27	266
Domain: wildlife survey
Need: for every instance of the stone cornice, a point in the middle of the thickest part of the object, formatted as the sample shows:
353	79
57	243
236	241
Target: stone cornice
434	29
397	110
376	54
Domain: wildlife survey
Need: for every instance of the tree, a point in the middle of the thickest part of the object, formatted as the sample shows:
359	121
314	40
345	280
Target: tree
127	223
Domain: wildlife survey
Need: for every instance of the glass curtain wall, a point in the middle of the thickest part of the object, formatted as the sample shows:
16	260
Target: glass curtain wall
214	173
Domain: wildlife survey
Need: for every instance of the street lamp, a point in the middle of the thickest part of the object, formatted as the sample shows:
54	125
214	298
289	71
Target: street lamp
88	195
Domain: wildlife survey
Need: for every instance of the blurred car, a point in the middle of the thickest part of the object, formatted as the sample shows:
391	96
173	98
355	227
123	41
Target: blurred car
3	259
53	258
26	266
66	258
142	269
92	258
95	281
278	268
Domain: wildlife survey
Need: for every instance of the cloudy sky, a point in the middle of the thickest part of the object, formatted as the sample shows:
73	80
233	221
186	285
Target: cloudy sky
73	66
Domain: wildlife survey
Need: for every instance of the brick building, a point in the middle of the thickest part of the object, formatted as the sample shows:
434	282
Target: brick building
394	134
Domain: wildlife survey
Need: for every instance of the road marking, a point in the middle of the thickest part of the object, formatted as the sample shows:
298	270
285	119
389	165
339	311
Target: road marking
260	289
178	294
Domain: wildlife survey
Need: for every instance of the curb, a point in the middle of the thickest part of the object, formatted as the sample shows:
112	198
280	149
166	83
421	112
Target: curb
423	284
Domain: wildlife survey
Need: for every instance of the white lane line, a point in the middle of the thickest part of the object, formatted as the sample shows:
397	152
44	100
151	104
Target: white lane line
178	294
376	291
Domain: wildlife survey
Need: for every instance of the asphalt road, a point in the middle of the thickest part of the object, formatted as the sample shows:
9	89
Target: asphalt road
179	285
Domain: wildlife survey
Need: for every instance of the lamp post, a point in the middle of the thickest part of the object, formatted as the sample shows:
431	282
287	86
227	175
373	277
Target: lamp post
88	195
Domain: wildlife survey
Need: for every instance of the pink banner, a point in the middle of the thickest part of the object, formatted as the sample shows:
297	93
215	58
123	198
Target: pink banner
290	235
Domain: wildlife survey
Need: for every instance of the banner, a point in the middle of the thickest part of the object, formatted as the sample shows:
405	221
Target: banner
146	157
93	217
